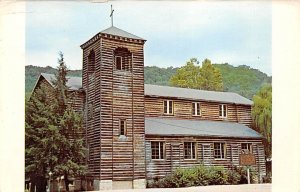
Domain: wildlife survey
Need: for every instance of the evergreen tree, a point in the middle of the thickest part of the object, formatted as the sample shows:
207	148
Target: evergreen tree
262	115
53	133
40	130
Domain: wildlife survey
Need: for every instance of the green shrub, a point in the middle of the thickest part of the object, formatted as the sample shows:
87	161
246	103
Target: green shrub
203	175
233	177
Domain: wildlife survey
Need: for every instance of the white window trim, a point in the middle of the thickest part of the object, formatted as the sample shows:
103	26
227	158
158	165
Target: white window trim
222	106
196	108
192	152
159	147
249	147
168	106
116	62
223	149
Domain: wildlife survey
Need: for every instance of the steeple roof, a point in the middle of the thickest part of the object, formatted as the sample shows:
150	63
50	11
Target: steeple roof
119	32
116	33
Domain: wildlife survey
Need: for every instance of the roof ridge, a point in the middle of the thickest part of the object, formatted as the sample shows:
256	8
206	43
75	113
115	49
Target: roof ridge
192	89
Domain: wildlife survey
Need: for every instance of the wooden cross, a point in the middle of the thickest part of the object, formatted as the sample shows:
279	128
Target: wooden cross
112	16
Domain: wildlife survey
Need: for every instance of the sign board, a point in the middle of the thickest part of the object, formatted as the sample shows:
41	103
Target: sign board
247	159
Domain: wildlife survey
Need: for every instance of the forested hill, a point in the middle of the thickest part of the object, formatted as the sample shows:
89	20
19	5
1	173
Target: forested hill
242	79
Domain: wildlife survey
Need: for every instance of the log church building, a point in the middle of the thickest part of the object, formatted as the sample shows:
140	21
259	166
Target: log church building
137	132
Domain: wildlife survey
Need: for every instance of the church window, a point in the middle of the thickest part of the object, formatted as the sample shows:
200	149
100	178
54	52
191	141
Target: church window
118	61
246	148
189	150
122	127
223	111
91	62
168	107
196	109
219	150
122	59
157	150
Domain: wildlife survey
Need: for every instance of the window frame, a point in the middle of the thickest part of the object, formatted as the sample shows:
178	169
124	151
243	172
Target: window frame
161	150
125	127
168	107
221	149
193	151
195	109
249	147
223	111
116	64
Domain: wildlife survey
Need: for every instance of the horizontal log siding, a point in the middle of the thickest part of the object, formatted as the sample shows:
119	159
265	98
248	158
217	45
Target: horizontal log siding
90	82
174	154
116	95
209	110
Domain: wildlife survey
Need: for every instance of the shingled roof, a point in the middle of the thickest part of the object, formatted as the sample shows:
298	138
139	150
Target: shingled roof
176	127
75	83
119	32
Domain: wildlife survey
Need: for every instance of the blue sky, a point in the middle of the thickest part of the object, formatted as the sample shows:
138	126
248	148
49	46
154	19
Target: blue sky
238	33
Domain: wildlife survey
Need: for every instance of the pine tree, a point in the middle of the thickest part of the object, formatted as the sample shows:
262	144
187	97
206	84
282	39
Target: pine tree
40	130
54	133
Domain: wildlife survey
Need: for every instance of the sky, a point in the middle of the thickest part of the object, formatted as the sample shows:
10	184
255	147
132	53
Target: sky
238	33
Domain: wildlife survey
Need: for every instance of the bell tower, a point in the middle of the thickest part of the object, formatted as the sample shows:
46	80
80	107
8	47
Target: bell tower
113	80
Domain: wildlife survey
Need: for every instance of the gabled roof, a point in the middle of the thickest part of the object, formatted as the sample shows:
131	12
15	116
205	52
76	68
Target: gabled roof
119	32
176	127
75	83
195	94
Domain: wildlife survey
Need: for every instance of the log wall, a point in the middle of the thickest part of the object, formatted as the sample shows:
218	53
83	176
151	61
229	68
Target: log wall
174	154
209	110
115	95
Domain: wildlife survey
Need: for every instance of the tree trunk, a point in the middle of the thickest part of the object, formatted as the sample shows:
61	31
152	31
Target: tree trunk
66	182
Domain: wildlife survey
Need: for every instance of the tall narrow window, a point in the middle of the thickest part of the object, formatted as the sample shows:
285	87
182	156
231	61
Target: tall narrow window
118	61
189	150
223	110
219	150
91	62
196	109
157	150
246	148
168	107
122	127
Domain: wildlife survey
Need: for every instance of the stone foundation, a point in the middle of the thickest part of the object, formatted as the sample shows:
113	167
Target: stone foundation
106	185
139	184
122	184
100	185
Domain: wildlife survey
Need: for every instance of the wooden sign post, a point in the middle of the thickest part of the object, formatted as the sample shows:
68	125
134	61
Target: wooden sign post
247	160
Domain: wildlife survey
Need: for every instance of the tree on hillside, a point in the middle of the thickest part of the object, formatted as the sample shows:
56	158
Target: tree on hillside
262	115
53	130
211	78
193	76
